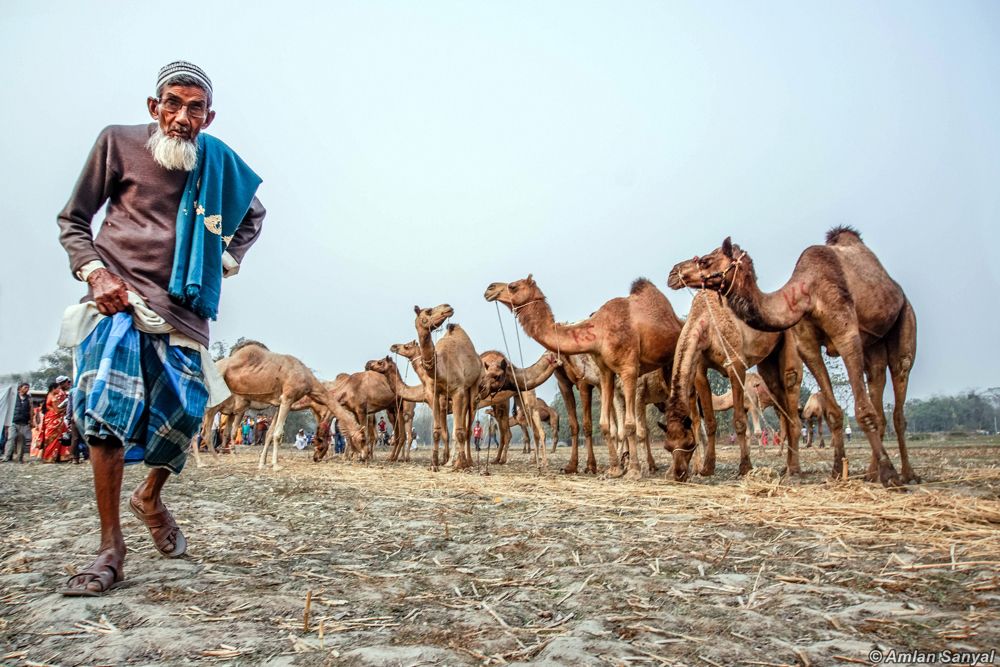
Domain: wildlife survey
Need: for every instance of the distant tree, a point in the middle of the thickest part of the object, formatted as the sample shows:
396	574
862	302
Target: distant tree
219	350
52	365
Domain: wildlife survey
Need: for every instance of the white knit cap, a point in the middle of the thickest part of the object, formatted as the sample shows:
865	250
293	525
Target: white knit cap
176	68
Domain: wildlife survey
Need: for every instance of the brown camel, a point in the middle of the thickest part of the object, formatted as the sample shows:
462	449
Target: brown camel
627	336
364	394
756	398
254	372
841	297
812	413
234	408
546	415
500	379
455	369
713	337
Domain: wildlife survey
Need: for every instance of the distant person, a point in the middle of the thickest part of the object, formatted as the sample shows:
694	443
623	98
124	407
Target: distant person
477	435
55	432
764	438
19	433
847	432
301	441
338	438
383	437
260	430
493	431
247	430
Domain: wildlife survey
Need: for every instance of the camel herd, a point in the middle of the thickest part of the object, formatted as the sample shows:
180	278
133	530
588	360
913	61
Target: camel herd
637	350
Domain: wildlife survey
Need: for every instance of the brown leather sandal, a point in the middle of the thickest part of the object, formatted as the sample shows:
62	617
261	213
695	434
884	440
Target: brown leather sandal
161	526
96	573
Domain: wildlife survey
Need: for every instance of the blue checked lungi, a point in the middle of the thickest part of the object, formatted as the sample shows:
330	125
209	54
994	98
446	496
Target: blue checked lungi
138	388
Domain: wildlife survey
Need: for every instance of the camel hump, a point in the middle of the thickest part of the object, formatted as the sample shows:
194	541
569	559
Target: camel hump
842	234
639	284
246	343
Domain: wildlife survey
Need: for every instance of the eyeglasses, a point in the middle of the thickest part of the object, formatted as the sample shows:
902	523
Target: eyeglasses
197	110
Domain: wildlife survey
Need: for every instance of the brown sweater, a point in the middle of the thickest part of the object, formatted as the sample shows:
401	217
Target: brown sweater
136	239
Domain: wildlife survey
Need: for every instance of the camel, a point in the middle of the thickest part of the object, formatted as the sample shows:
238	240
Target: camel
841	297
812	413
456	370
546	415
756	398
713	337
254	372
500	380
364	394
234	408
627	337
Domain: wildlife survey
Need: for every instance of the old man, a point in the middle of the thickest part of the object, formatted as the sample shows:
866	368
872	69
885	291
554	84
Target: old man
181	214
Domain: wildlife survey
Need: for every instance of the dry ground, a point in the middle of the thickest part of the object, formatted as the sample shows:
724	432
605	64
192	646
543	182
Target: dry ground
407	567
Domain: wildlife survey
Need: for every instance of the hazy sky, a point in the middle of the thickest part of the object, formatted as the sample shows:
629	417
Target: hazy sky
412	153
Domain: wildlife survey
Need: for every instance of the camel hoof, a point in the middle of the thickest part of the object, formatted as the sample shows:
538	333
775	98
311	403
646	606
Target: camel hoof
633	474
744	469
569	470
912	478
887	475
592	468
707	469
615	472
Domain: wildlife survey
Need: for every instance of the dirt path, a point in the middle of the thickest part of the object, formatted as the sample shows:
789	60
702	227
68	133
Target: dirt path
406	567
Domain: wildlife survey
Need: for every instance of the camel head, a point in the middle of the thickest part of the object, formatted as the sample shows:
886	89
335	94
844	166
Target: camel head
715	271
383	366
429	319
495	370
680	443
321	443
409	350
516	294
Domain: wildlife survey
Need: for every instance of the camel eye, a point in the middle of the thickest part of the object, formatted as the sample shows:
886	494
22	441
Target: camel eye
513	288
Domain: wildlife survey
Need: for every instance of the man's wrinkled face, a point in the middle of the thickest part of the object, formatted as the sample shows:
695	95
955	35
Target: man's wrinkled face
182	111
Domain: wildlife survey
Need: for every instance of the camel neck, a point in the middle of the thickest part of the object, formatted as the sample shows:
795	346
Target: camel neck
535	374
426	344
538	322
401	389
772	311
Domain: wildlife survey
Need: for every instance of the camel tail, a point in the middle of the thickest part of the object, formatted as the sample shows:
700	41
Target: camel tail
639	284
843	234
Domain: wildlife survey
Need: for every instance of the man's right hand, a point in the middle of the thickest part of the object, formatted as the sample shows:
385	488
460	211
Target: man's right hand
110	292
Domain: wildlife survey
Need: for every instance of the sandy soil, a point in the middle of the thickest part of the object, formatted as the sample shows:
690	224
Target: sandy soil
408	567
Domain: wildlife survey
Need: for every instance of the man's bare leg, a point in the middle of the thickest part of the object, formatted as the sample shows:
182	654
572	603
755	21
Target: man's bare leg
147	497
107	459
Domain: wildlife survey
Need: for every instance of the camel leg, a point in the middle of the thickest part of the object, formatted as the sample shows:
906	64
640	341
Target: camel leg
607	399
459	411
506	435
587	404
754	420
629	379
850	349
569	400
875	367
541	451
618	428
902	350
704	393
737	378
279	431
642	433
770	372
554	423
812	357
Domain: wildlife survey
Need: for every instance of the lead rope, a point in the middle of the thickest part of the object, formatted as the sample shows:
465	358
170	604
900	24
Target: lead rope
517	386
726	347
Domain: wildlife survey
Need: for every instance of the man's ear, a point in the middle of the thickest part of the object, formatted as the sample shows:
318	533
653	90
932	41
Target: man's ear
208	119
151	104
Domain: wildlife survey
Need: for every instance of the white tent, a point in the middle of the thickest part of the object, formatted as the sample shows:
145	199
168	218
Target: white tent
7	404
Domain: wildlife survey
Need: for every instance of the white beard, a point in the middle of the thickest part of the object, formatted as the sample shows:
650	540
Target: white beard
172	153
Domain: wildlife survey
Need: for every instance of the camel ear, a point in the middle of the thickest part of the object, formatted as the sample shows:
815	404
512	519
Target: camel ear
388	358
416	309
503	364
727	247
530	280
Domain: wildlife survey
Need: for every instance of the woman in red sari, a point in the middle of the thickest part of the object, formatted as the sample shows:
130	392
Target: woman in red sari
55	444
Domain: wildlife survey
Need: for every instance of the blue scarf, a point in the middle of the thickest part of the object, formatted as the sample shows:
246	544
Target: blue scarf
218	193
